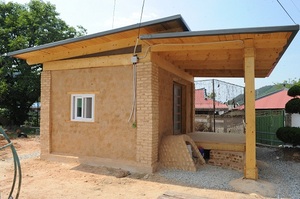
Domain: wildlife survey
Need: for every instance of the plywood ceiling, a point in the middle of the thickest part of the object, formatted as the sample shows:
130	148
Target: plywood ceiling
220	55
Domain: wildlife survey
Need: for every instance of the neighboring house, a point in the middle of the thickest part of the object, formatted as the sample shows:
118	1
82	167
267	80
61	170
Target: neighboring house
270	115
222	122
206	105
104	106
272	101
275	101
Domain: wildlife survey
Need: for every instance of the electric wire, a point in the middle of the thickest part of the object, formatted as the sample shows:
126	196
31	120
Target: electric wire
286	11
139	29
295	6
133	110
134	71
114	11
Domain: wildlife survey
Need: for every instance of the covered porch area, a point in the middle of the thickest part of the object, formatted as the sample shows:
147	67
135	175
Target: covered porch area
247	53
222	149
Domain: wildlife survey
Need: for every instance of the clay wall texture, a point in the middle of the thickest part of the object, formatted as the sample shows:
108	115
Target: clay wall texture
110	135
166	81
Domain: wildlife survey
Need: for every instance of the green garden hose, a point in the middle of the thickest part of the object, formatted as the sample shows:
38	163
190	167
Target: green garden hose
17	166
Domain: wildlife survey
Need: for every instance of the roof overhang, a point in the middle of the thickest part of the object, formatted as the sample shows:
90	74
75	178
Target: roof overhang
213	53
99	42
220	53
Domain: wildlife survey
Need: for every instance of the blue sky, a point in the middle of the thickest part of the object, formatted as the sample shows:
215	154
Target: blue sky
97	16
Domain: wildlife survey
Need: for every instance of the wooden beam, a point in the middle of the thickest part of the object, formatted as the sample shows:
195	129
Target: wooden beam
237	44
221	64
164	64
211	66
250	171
216	73
204	55
239	147
93	62
80	50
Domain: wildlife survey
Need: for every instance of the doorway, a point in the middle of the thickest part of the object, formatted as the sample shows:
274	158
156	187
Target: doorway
177	109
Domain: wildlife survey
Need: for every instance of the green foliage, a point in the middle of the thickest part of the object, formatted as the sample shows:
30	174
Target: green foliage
212	95
33	119
24	26
294	91
293	106
290	135
289	83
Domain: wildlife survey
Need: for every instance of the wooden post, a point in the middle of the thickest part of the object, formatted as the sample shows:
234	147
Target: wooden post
250	171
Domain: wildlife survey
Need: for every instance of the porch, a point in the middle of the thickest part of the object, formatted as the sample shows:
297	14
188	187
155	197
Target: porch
222	149
219	141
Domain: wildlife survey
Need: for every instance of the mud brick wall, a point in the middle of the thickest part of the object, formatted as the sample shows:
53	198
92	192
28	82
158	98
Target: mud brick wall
174	153
227	159
147	115
45	113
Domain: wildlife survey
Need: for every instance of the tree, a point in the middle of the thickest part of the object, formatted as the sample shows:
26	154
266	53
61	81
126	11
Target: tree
24	26
288	134
288	83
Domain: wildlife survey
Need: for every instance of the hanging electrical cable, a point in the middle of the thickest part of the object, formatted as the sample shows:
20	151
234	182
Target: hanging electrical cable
134	61
139	29
286	11
114	11
295	6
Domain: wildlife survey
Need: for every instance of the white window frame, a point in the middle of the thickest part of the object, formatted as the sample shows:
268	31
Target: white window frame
82	116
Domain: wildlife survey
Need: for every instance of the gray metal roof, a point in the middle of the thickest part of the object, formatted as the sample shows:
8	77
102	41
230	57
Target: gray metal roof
291	28
177	18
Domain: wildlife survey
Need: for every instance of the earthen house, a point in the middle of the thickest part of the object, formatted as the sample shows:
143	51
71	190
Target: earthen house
109	98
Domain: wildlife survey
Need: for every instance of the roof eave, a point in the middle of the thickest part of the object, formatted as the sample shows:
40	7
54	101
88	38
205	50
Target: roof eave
178	18
291	28
255	30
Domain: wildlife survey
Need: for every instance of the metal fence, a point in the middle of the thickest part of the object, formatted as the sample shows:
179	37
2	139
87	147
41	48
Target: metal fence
267	123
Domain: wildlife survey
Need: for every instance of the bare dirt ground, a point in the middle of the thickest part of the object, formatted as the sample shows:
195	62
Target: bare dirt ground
44	179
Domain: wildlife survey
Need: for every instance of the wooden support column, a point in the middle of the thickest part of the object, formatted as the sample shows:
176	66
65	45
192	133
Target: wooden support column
250	171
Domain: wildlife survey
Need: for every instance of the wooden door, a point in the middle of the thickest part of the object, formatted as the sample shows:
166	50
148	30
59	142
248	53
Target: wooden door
177	109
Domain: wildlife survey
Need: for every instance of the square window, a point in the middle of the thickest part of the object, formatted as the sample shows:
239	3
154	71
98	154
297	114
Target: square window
82	107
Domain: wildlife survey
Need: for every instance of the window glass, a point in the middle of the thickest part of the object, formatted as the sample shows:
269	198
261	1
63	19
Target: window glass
82	107
88	107
79	107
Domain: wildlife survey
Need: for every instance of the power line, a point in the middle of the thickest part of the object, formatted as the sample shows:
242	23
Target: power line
139	29
133	110
142	11
114	11
295	6
286	11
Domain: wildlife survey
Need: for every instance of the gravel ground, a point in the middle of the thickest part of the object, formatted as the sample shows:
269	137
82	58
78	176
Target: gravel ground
273	167
285	175
210	177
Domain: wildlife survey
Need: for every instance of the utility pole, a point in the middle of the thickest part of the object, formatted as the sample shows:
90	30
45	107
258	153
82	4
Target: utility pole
214	104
